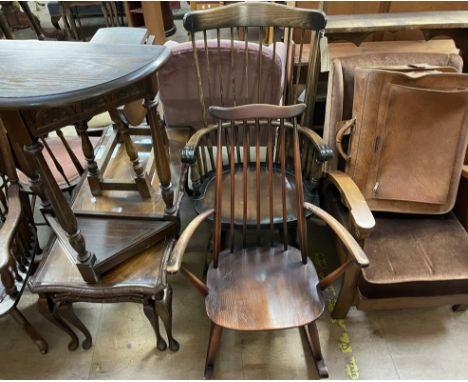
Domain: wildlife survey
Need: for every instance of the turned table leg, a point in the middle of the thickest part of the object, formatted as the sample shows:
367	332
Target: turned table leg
161	155
88	151
64	214
142	180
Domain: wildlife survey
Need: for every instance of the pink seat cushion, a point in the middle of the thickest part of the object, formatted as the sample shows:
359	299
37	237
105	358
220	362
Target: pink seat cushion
61	154
178	89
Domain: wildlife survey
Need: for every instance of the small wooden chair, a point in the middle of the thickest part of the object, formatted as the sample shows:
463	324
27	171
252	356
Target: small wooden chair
18	242
268	284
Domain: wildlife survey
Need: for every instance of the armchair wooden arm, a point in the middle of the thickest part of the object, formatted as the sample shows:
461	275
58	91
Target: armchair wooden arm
361	216
189	151
175	260
325	153
346	238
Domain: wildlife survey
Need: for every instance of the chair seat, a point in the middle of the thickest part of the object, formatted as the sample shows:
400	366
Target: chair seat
263	289
416	256
207	198
139	275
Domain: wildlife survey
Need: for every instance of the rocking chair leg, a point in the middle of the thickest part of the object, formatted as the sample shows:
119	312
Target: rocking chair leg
30	331
66	311
46	307
314	343
149	309
459	307
213	344
164	310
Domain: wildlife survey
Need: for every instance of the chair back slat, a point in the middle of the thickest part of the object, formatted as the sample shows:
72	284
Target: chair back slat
283	182
246	38
286	73
299	67
260	48
208	66
270	178
246	155
218	197
233	77
199	81
220	77
233	186
257	176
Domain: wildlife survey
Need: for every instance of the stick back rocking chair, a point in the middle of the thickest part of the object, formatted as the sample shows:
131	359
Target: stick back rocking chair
265	283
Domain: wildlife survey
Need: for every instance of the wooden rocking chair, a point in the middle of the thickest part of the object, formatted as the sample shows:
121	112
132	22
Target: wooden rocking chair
268	284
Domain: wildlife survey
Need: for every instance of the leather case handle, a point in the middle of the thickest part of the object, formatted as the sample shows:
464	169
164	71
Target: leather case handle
344	126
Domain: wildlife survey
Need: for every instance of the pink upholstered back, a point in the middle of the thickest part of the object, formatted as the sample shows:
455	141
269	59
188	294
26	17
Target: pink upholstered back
178	89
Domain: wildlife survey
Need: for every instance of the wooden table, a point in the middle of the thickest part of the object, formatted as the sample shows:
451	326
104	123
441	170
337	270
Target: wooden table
47	85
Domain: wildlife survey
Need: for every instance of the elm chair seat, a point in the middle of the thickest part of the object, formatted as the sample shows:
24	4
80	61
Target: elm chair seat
263	288
416	256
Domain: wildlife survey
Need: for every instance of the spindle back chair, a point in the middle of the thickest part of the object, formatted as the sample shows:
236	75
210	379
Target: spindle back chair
18	242
273	23
237	295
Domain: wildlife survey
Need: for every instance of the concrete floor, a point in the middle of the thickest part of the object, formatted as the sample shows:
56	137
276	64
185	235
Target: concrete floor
400	344
403	344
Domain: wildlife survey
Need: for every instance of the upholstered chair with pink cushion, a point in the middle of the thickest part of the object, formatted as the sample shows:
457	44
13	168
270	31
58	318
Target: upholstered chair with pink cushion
178	88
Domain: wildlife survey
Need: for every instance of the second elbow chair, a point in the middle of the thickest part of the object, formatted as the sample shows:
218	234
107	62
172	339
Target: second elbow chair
266	283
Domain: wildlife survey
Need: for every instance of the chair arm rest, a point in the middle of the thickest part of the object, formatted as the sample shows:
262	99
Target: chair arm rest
175	258
351	196
346	238
188	152
325	153
8	229
465	171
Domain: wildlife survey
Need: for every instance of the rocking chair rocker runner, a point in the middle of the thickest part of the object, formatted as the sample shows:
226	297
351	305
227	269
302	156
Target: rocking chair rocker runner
271	284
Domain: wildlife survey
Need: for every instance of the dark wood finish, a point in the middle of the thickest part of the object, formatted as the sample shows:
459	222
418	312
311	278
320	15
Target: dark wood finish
140	279
111	76
266	284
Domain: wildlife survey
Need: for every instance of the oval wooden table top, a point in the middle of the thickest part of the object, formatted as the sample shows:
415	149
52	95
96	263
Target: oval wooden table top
50	73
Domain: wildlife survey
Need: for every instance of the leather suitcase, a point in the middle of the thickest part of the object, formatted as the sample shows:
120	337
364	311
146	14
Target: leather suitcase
409	127
341	83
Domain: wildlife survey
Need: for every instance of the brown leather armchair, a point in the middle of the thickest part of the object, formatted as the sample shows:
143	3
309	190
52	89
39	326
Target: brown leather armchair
409	134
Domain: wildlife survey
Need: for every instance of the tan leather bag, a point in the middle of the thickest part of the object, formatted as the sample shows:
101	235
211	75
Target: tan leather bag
409	138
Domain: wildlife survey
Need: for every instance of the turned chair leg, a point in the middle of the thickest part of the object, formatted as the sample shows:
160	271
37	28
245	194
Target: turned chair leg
149	308
48	309
30	331
314	344
164	310
66	312
213	344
